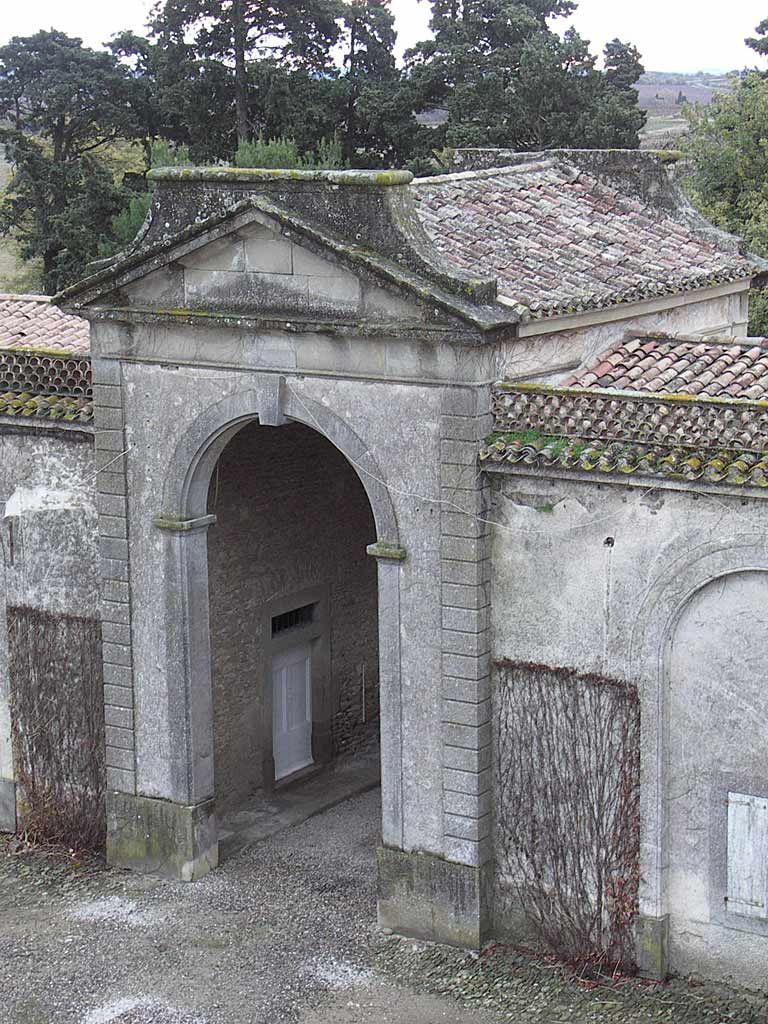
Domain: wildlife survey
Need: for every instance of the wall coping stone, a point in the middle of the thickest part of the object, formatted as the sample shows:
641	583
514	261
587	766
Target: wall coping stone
360	178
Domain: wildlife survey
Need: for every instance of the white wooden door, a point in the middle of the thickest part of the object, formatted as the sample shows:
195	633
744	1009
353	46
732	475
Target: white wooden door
292	710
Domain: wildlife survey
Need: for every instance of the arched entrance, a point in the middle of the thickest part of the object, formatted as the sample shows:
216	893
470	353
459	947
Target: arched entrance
433	592
293	612
170	825
717	797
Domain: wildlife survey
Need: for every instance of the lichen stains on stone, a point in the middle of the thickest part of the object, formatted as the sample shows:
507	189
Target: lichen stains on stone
366	179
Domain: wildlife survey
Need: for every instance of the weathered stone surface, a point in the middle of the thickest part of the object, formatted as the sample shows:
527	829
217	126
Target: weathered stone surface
653	947
7	805
161	838
435	899
48	552
226	253
164	287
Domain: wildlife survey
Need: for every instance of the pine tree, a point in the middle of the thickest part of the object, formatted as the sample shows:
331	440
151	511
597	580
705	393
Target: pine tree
301	32
377	124
61	105
759	43
508	79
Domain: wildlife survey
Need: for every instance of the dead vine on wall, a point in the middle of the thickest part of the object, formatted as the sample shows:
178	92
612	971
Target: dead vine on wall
568	806
57	716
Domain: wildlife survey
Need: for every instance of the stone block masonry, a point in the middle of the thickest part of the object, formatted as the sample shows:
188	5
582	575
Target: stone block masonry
466	637
111	488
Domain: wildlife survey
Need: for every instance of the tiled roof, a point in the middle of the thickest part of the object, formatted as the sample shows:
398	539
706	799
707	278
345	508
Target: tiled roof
52	407
561	241
35	384
597	415
665	407
33	322
40	373
666	461
730	369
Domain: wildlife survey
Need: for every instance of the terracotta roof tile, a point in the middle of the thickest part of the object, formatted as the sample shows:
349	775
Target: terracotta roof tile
621	459
36	384
687	367
561	241
703	417
52	407
33	322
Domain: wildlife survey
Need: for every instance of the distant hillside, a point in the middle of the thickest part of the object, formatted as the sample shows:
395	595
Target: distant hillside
664	88
15	276
662	94
7	257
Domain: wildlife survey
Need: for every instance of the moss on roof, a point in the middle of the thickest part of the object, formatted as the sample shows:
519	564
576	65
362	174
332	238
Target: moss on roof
671	462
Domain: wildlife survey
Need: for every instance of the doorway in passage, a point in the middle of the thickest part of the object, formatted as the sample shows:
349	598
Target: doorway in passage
292	710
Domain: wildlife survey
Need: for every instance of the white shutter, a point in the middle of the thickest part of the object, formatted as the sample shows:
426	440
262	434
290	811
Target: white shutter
747	855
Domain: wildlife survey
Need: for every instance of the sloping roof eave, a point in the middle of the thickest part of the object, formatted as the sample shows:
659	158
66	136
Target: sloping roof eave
680	408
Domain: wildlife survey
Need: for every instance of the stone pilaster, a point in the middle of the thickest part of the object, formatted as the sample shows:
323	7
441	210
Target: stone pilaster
466	646
653	946
111	487
158	837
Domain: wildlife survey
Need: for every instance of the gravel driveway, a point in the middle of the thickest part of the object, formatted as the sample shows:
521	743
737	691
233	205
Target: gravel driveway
284	931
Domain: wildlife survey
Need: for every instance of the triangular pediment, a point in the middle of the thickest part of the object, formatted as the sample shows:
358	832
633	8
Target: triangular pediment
256	262
260	269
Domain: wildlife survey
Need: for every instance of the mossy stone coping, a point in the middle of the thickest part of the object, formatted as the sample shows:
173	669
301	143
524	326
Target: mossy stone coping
259	175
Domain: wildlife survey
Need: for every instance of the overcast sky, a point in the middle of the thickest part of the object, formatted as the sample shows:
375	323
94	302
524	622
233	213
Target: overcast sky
672	35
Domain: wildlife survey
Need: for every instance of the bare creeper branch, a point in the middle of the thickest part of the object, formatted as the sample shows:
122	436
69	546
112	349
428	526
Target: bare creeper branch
568	807
57	713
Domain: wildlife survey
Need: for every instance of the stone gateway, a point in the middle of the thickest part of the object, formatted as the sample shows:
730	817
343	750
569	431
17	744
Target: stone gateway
344	441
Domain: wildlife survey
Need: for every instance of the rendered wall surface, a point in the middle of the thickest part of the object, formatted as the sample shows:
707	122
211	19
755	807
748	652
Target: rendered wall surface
48	550
666	588
718	704
292	516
